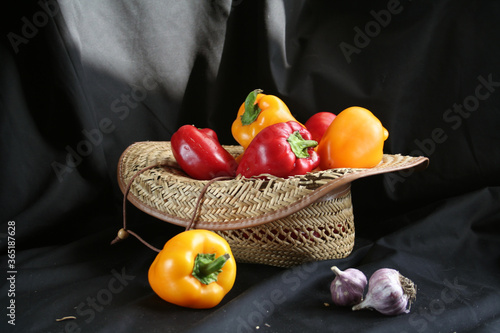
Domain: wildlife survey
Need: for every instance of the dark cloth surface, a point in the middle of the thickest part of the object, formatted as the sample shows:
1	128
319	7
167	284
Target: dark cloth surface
82	80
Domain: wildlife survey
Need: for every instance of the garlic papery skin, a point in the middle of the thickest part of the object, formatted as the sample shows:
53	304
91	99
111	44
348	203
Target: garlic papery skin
389	293
348	286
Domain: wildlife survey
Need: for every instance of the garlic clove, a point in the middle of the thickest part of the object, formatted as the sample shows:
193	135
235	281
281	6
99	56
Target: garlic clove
348	286
389	293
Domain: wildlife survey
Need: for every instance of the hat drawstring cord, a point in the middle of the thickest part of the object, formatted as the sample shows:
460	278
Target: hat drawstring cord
124	231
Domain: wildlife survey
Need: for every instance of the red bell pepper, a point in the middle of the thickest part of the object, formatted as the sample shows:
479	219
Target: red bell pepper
199	153
318	123
282	150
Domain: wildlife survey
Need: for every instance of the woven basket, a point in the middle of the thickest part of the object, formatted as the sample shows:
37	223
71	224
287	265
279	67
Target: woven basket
274	221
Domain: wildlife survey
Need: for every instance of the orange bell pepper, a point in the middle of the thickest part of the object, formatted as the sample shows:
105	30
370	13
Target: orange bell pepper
195	269
256	113
354	139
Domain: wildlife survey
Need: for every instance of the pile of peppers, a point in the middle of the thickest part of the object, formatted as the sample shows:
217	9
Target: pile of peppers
275	143
196	268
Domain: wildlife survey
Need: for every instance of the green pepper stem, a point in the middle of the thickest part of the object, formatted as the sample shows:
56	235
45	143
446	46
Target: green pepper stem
207	267
214	266
299	145
252	109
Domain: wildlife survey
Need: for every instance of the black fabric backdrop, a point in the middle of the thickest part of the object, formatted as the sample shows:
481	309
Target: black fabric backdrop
82	80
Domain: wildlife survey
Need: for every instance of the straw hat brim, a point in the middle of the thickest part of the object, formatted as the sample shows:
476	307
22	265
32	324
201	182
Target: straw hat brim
168	194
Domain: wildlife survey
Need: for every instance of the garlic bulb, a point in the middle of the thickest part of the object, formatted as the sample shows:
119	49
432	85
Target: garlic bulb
348	286
389	293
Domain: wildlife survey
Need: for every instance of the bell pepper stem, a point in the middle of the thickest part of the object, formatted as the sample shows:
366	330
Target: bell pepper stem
214	266
252	109
207	267
299	145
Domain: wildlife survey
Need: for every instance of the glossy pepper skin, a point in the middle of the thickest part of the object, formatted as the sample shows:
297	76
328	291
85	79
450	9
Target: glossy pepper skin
256	113
282	150
354	139
318	123
172	273
199	153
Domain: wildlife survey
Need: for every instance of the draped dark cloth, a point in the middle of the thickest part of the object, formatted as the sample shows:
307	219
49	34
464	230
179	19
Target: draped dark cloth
82	80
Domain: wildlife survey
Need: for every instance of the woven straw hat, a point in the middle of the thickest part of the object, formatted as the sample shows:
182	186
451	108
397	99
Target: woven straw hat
275	221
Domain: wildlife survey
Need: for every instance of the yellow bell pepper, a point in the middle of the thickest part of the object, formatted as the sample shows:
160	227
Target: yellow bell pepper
195	269
354	139
256	113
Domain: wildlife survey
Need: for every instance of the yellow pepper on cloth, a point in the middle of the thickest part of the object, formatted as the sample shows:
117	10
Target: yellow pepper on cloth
256	113
195	269
354	139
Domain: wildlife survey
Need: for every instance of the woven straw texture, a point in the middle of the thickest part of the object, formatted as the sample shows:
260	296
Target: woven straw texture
322	230
274	221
